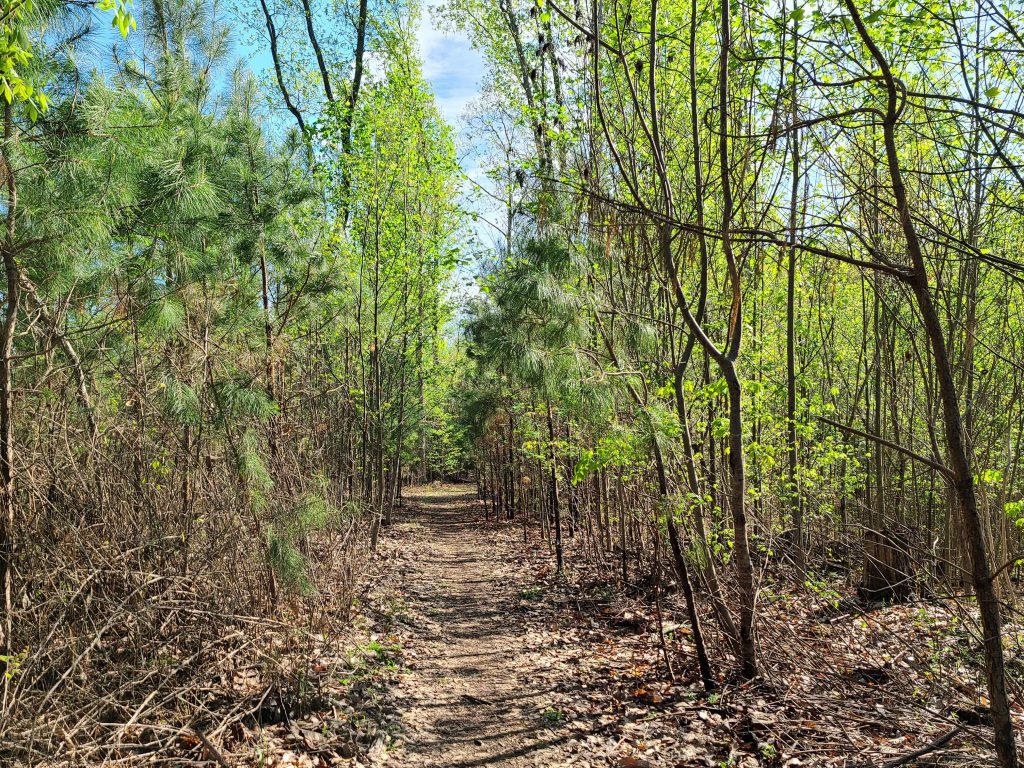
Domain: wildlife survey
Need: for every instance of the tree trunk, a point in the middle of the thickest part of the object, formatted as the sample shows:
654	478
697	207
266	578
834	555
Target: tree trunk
556	510
12	297
960	465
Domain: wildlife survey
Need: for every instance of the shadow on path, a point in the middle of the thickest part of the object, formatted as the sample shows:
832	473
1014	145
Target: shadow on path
471	695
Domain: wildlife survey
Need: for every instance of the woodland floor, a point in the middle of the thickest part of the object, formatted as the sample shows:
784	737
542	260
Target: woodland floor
477	689
496	661
464	648
493	666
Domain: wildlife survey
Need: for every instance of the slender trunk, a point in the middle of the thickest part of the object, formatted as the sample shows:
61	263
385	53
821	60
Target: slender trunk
278	73
737	501
727	365
555	505
792	480
959	460
679	560
320	62
12	297
353	101
725	358
268	338
657	608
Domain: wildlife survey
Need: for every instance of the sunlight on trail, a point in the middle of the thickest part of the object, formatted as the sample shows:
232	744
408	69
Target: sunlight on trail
469	697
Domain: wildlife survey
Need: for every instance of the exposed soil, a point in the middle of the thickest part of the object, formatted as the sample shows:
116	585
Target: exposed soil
473	693
497	661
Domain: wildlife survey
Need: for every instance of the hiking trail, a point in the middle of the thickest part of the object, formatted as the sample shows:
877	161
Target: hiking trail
472	693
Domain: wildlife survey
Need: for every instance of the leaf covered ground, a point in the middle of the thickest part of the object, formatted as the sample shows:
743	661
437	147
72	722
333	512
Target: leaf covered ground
464	648
499	661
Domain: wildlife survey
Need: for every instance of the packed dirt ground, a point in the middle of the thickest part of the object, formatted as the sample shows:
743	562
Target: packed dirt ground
481	656
462	647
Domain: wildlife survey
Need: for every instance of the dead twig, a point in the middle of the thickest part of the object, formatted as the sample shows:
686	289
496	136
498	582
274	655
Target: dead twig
214	752
930	747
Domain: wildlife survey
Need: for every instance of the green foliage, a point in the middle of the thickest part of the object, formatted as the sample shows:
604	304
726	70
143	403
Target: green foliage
289	535
181	402
20	20
13	663
288	563
252	469
164	315
122	18
620	448
238	402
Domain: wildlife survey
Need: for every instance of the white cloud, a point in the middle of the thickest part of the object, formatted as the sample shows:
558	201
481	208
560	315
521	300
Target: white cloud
455	71
450	64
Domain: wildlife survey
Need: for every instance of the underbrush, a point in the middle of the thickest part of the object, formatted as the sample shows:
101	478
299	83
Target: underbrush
153	627
843	681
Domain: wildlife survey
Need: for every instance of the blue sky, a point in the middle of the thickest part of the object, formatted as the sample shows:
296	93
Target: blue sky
454	70
451	66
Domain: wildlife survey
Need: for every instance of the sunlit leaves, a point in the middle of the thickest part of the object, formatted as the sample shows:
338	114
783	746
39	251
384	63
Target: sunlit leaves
17	50
122	19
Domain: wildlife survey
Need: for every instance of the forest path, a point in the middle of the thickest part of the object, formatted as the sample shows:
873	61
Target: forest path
471	693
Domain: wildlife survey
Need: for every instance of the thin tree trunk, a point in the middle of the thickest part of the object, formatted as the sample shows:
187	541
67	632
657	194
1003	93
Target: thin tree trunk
12	297
556	510
792	480
278	73
960	465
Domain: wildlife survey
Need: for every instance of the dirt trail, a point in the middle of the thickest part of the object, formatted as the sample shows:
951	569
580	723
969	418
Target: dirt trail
470	695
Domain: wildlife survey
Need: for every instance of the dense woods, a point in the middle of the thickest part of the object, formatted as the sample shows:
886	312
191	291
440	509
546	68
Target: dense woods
223	344
744	336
